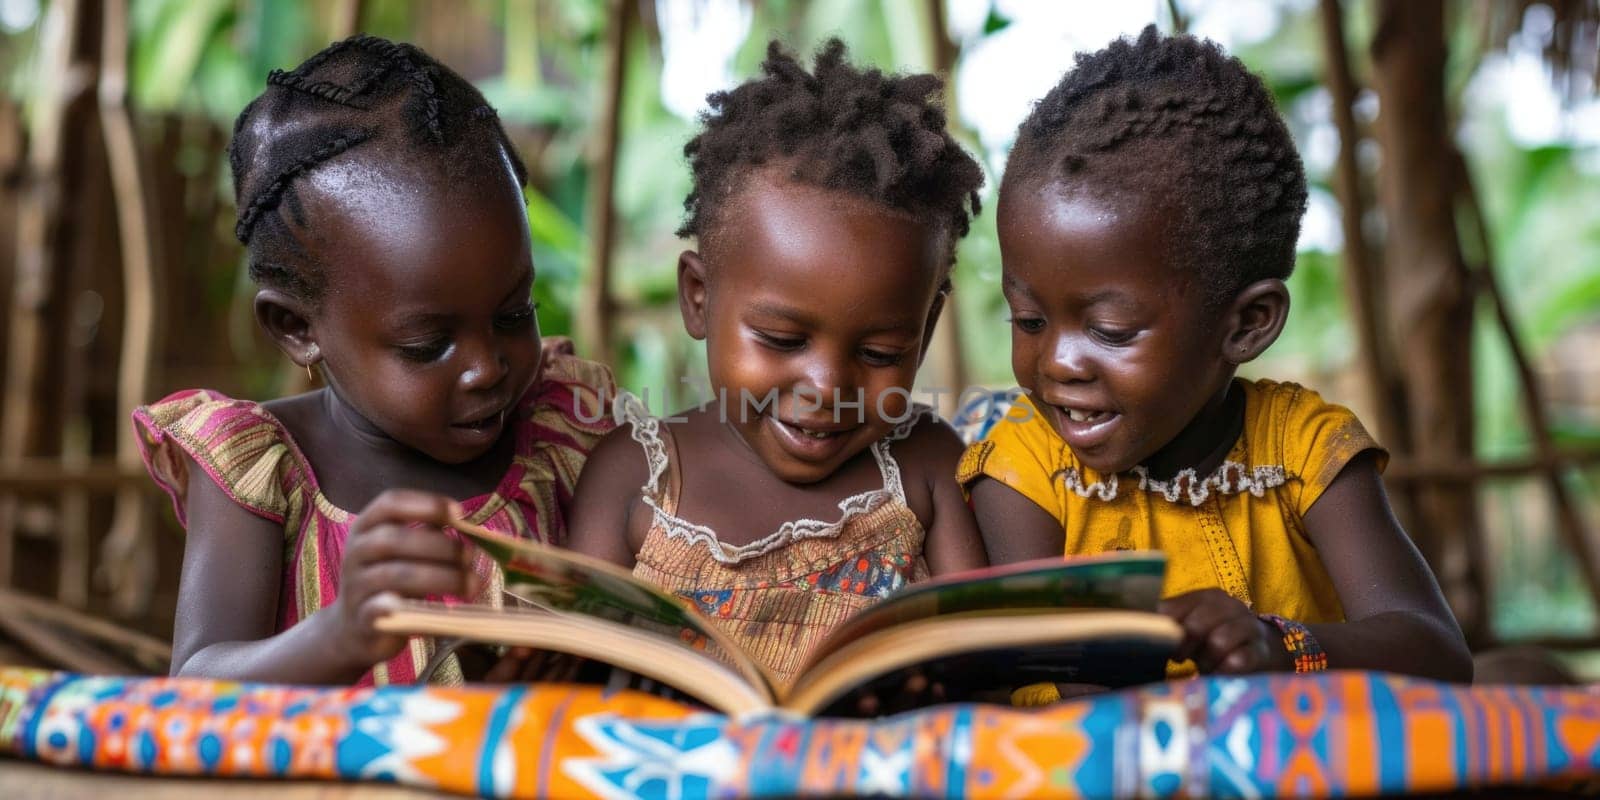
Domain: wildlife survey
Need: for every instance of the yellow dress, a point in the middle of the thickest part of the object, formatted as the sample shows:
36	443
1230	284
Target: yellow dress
1239	529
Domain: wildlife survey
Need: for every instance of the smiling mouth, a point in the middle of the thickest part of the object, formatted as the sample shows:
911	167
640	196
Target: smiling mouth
813	433
1085	415
481	424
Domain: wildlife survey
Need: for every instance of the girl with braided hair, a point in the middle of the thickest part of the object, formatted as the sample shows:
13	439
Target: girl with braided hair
381	209
1148	219
826	206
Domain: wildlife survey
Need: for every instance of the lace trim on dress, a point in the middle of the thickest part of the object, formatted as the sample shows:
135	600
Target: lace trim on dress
646	430
1231	477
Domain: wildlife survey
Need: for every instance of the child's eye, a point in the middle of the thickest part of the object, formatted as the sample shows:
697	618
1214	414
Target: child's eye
1111	336
1028	324
424	352
785	343
880	358
511	320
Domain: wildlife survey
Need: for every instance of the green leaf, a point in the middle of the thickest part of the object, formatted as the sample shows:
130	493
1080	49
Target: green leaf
995	21
165	63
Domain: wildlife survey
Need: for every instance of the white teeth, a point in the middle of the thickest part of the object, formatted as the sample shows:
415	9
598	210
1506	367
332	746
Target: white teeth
1085	416
815	434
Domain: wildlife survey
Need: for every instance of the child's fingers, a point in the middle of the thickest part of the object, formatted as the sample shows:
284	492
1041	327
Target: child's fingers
1225	640
1180	606
375	606
417	578
1199	614
401	543
407	506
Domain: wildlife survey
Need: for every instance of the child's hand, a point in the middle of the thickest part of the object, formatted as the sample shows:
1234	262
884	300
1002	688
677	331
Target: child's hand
397	548
1222	634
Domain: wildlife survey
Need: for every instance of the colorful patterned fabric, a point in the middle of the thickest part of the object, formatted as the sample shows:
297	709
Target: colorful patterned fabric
783	593
252	457
1239	529
1322	735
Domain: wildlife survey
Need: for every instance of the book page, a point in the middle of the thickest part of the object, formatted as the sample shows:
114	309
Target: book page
1125	580
572	583
970	654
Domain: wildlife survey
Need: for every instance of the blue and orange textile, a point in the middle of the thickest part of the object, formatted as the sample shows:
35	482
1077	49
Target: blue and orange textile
1325	734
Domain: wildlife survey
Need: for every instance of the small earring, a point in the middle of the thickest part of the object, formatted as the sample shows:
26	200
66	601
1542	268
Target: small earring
309	377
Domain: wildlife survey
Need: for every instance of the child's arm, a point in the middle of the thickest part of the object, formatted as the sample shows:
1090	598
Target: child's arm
952	542
228	594
1014	527
1397	619
602	506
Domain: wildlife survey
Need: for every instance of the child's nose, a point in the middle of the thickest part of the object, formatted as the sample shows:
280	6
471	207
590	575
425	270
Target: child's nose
487	367
829	378
1066	362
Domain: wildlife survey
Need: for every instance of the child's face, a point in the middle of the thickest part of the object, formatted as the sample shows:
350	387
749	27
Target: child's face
426	327
813	296
1112	342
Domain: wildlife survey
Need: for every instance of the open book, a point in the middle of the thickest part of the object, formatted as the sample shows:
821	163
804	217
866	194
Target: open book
1085	620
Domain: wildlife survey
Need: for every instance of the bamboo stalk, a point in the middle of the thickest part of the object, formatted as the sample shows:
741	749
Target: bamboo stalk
950	363
63	80
1361	286
1568	521
144	647
1429	307
128	566
1438	471
346	18
599	305
39	474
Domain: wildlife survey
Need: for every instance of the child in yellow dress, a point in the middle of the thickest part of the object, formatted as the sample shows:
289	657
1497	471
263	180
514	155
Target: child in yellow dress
1148	219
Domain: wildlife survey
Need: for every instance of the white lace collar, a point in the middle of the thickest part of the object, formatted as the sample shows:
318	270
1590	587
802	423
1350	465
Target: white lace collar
1231	477
647	432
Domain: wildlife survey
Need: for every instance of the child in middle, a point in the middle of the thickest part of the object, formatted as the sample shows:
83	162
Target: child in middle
826	206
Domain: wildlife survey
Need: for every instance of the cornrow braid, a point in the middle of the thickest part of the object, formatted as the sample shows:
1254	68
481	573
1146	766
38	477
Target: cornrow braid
876	136
1176	119
326	90
268	197
364	92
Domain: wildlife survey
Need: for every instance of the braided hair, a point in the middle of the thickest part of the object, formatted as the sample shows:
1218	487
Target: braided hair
1173	117
875	136
385	98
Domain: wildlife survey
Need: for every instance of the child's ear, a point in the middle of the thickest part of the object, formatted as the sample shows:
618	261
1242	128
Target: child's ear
933	319
287	321
1254	320
692	293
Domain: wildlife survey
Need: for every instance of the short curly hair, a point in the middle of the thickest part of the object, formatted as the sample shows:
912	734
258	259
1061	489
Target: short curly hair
386	98
875	136
1176	118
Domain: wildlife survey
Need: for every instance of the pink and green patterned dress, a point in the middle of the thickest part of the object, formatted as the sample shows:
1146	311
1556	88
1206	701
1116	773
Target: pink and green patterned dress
249	454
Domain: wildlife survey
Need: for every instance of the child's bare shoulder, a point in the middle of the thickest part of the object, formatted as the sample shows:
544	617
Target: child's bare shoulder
618	459
930	449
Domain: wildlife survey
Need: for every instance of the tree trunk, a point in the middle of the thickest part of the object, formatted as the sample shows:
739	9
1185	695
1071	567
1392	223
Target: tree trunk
596	323
129	567
1375	360
46	235
1430	297
945	356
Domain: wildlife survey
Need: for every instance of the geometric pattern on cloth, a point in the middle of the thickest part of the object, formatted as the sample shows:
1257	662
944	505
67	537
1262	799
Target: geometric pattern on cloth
1326	734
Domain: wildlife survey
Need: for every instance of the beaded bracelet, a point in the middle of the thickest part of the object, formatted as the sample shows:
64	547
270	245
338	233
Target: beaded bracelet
1302	646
